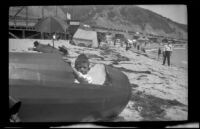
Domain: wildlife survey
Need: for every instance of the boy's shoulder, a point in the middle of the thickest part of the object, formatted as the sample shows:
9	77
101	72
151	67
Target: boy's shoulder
98	74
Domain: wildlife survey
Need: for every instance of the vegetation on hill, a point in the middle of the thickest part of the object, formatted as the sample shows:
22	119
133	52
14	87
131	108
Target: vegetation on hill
128	17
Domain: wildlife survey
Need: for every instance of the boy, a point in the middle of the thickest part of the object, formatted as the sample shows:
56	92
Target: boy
84	74
81	69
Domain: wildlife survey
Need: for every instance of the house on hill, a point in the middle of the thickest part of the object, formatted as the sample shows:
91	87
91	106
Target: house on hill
86	38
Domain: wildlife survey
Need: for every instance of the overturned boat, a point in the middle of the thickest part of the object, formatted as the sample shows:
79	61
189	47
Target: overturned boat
42	84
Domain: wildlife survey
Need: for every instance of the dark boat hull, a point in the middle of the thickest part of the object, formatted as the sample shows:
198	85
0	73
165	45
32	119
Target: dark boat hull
44	85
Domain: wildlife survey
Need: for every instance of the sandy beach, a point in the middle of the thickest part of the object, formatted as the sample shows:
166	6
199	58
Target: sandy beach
159	93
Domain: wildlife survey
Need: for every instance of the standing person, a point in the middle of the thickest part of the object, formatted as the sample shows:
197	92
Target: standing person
54	36
167	53
134	44
143	48
159	51
127	45
138	46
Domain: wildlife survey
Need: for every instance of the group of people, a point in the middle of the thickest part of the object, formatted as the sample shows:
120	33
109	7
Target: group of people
140	46
166	50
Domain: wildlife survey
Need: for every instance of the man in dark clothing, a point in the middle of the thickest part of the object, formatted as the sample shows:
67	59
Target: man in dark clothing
127	45
159	52
138	47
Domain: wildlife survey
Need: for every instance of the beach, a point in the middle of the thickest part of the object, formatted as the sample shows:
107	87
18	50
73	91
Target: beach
159	93
178	58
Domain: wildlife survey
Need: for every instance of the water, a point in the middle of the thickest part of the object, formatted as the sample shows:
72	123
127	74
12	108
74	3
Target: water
180	58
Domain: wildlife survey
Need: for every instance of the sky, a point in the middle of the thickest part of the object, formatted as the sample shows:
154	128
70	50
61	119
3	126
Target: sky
177	13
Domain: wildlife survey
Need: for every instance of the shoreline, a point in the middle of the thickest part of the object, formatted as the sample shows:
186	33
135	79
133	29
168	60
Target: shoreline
178	59
153	49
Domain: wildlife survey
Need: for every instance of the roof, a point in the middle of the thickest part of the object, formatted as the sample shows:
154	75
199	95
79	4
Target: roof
87	35
37	11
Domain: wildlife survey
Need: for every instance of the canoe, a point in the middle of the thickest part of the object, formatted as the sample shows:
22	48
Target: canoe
44	84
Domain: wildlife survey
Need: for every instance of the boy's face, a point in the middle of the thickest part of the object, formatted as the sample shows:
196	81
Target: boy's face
83	68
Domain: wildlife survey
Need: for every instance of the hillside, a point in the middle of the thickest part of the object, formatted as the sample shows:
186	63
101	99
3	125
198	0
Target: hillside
121	17
127	17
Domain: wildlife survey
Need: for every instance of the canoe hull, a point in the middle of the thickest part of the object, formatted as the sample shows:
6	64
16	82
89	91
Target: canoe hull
53	100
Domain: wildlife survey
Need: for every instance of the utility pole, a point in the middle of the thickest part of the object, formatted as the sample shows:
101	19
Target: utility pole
56	11
23	31
42	12
26	16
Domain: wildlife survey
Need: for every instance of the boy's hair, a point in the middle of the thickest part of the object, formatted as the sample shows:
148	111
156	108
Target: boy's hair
82	58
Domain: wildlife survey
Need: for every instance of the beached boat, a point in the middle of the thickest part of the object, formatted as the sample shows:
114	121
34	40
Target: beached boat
44	84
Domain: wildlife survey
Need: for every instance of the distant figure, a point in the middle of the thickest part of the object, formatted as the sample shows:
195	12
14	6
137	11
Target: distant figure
134	45
54	37
44	48
167	53
64	50
138	46
143	48
127	45
115	42
159	51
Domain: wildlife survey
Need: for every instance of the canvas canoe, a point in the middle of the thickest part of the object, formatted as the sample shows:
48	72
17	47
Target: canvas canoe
44	84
